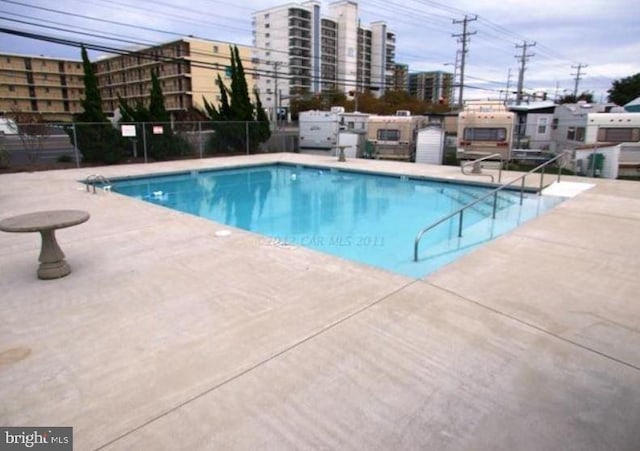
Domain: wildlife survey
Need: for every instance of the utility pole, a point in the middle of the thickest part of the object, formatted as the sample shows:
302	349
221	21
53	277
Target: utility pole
523	64
276	65
578	74
506	96
463	38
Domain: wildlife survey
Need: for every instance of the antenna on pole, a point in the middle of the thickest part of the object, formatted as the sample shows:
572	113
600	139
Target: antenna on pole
463	38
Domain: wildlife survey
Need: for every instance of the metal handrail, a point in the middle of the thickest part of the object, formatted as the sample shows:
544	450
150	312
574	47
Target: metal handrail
96	178
493	193
476	167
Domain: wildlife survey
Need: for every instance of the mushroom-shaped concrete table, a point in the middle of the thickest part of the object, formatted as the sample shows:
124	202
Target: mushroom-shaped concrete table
52	263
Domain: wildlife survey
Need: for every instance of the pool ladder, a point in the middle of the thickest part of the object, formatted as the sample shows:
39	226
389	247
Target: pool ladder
92	179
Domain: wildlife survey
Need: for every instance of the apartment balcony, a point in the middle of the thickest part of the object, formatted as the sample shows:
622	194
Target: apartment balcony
299	34
299	72
299	14
300	45
299	24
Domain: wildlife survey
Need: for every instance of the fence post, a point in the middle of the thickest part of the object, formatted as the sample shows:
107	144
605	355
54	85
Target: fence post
460	223
200	137
247	135
75	144
144	141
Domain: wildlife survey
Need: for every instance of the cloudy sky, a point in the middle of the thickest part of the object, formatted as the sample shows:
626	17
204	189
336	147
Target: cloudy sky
602	34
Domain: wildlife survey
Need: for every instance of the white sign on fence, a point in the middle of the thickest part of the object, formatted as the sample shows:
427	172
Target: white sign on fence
128	131
158	129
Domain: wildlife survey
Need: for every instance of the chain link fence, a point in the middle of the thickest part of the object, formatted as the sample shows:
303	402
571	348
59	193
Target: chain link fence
37	146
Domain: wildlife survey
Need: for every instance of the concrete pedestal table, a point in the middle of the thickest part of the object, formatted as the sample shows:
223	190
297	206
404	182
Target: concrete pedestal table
52	263
341	156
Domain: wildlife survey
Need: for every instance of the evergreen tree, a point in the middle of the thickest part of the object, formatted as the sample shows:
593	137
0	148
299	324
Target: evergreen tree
157	110
236	118
160	146
92	102
97	139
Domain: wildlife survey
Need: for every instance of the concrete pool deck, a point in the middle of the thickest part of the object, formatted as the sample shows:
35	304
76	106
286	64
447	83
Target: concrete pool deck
167	336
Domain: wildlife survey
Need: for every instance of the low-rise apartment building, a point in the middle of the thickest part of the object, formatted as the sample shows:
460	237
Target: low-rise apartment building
187	70
49	87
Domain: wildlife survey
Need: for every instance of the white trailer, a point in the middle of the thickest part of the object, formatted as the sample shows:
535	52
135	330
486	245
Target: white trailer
319	130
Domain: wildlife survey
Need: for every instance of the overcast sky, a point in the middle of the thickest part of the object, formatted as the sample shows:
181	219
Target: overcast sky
603	34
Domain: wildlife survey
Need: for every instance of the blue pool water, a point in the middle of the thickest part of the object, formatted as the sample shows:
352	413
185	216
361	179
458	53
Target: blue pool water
369	218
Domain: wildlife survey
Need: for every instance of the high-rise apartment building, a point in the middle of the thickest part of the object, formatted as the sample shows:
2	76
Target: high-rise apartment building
299	51
187	70
434	86
401	77
50	87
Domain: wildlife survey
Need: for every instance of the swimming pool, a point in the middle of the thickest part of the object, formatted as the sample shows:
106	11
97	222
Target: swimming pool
368	218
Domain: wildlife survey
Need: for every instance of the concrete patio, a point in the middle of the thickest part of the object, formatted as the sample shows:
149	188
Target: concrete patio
167	336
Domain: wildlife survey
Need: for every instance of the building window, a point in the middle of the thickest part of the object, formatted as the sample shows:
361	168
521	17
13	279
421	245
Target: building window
215	49
8	60
34	105
266	15
266	25
267	35
12	88
542	126
48	102
46	89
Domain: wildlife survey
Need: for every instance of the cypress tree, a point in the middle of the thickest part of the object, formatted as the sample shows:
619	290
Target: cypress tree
236	110
157	111
97	139
92	102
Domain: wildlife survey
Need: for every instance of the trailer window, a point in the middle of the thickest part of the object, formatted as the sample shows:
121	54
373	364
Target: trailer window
485	134
619	135
387	134
576	134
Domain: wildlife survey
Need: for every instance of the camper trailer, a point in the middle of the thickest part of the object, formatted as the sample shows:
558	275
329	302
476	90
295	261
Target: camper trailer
394	137
485	129
319	130
576	125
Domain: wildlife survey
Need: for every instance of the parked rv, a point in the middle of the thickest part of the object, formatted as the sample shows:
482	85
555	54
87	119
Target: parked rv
485	128
579	124
394	137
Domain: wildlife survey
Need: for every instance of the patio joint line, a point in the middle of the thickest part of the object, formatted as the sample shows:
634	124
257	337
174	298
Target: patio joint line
259	364
536	327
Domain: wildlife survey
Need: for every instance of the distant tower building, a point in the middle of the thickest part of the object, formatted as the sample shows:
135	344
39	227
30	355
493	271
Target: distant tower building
401	77
298	51
434	87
